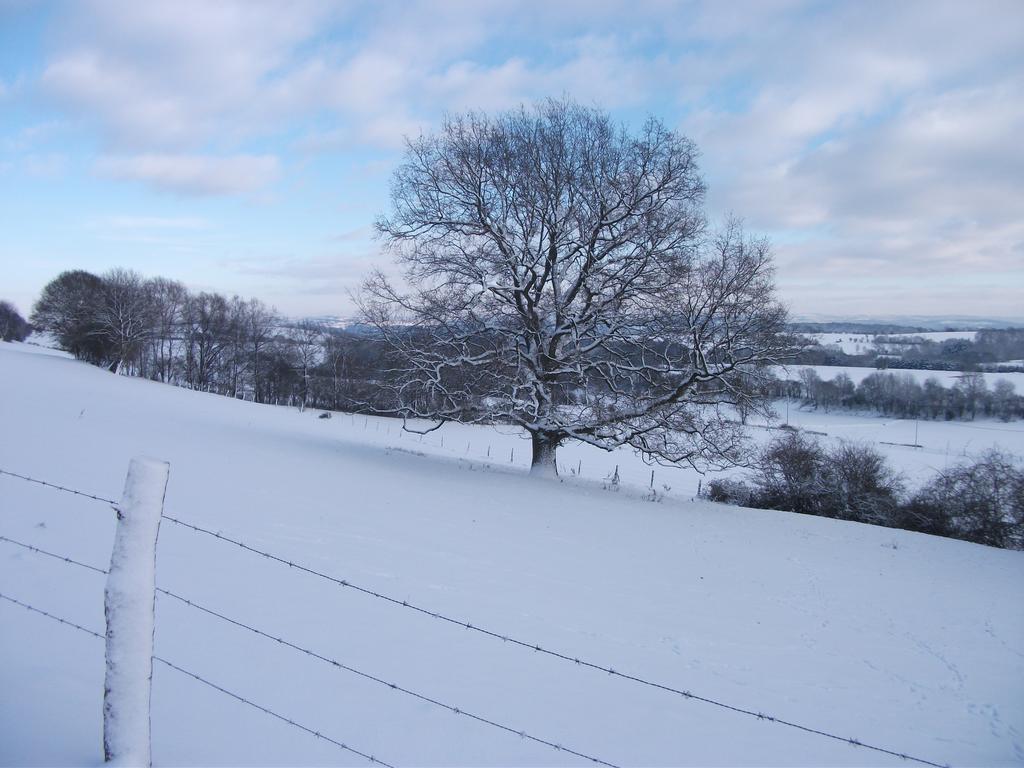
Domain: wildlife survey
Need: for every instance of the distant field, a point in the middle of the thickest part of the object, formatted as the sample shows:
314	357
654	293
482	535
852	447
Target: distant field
859	343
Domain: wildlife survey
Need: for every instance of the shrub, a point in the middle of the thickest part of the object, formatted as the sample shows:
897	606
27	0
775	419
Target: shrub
789	473
729	491
860	485
13	326
981	502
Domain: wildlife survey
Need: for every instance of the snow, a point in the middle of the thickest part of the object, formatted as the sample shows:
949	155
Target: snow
850	343
943	443
861	343
901	639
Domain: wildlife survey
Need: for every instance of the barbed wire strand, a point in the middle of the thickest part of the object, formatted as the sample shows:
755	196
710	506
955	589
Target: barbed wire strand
54	555
61	558
556	654
56	487
333	662
373	760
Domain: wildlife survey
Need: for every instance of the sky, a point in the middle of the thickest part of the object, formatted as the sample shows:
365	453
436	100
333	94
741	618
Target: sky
247	147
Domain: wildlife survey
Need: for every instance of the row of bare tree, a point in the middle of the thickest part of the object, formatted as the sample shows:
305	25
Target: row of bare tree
901	395
156	328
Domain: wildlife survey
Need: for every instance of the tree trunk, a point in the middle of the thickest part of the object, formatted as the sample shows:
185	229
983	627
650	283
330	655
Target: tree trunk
545	444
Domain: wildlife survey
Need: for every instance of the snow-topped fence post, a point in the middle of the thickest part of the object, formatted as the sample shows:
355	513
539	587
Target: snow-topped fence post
128	606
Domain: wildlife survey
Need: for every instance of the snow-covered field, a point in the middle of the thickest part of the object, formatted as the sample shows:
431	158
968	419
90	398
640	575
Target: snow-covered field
860	343
850	343
907	641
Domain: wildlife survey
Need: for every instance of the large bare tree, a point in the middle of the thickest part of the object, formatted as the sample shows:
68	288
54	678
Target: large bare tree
559	276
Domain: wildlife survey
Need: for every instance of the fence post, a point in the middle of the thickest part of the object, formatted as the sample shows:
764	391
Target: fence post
128	606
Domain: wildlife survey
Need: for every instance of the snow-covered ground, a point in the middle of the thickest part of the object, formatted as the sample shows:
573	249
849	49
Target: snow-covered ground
904	640
850	343
861	343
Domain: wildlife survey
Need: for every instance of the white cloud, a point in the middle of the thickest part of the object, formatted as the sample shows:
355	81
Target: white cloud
878	153
195	174
162	74
866	137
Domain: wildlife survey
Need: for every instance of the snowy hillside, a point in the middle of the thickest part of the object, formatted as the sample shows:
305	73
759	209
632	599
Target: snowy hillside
909	642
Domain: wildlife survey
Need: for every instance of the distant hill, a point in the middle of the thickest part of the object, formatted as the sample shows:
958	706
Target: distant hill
868	329
811	323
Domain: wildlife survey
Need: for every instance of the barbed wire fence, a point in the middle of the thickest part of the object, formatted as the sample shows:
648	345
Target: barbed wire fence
493	634
238	697
320	657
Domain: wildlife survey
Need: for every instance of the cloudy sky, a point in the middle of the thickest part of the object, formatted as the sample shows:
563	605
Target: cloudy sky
246	147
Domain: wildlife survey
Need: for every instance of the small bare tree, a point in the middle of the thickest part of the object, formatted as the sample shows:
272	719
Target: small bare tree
13	327
307	339
169	298
561	279
125	318
261	323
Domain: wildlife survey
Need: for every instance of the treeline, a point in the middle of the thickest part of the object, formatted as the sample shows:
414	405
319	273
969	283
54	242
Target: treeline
981	501
13	327
158	329
856	329
900	395
987	349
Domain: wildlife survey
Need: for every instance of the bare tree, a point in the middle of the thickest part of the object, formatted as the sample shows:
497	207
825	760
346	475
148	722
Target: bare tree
1003	399
307	339
13	327
169	298
973	387
67	309
208	334
125	318
260	324
561	280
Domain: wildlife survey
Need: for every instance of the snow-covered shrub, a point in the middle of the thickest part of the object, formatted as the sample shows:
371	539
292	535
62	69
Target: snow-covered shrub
860	485
850	481
981	502
728	491
790	474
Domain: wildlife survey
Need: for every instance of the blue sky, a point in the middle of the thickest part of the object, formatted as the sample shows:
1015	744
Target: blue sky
246	147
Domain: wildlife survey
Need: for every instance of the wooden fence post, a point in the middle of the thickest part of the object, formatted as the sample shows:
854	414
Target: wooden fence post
128	606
